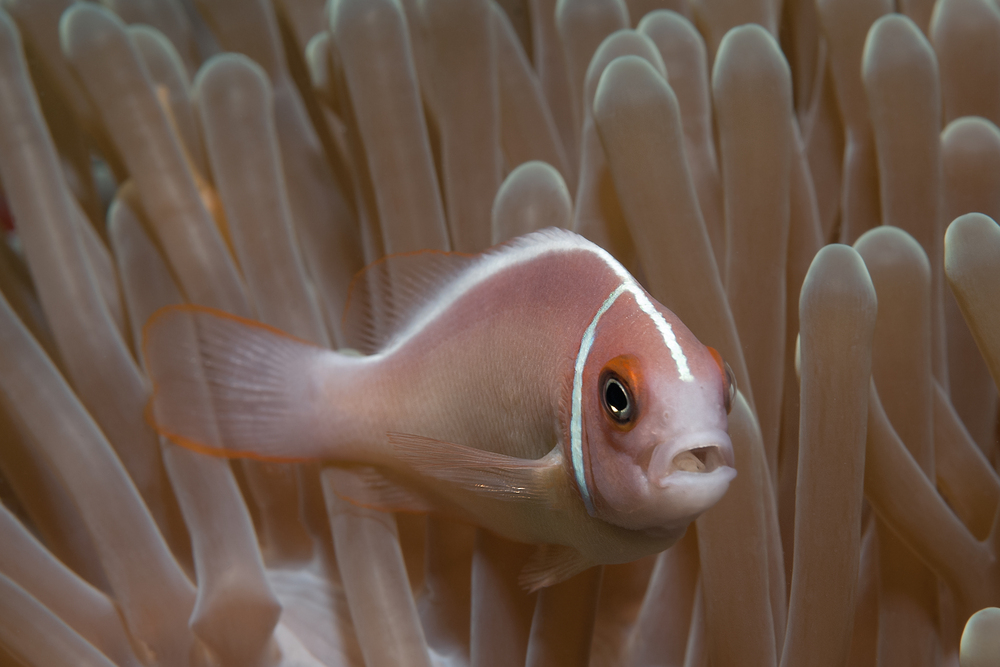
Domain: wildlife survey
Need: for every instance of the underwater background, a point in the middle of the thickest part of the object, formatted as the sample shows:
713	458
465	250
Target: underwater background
810	185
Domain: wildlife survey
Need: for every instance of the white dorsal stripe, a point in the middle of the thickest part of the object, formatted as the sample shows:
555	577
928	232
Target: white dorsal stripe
521	250
667	331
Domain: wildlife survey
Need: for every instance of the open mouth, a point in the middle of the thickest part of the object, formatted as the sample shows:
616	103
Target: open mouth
696	453
699	459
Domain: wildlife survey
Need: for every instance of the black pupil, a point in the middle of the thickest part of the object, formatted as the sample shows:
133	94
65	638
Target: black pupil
616	398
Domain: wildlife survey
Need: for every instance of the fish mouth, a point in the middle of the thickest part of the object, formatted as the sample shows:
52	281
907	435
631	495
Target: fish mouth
702	454
699	459
685	475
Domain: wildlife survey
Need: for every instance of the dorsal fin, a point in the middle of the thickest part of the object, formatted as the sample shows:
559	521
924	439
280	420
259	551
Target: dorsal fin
388	294
385	296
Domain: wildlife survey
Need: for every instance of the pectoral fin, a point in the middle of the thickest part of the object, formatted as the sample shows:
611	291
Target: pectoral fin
495	475
367	487
550	565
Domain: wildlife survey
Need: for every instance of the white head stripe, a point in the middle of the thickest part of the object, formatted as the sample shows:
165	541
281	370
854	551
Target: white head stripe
576	413
576	416
628	282
683	370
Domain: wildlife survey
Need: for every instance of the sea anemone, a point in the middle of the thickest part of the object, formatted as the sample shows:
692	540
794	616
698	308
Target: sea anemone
811	186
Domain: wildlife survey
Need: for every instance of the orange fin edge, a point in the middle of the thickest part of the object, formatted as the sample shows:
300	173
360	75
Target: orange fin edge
188	443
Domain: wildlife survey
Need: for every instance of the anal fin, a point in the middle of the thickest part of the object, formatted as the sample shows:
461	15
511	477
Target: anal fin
550	565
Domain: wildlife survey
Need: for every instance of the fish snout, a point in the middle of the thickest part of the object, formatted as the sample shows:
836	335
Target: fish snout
692	454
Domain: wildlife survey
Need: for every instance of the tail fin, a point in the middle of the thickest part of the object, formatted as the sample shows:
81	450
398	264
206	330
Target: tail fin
227	386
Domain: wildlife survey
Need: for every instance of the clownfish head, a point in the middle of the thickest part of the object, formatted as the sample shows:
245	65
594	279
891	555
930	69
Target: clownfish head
649	446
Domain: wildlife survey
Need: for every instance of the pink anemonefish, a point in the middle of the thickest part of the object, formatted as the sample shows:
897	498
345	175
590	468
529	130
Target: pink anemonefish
535	390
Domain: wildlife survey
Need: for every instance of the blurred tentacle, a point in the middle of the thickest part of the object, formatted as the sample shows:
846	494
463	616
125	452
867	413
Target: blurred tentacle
805	238
69	279
665	619
582	26
623	588
918	11
905	500
549	60
597	212
752	92
71	115
971	244
36	636
964	476
304	17
459	80
46	502
901	369
696	651
966	39
374	52
901	79
822	131
739	623
563	623
718	17
20	291
686	62
528	130
979	639
532	197
382	608
166	69
846	24
639	123
235	610
155	596
837	311
96	43
801	34
970	156
78	604
166	16
322	211
501	609
864	638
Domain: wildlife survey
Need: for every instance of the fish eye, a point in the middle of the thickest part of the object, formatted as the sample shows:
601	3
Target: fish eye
617	400
730	388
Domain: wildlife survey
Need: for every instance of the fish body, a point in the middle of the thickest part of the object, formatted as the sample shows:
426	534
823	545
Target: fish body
535	390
